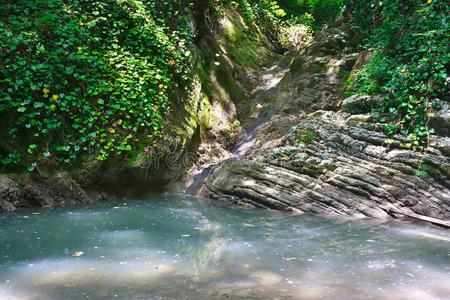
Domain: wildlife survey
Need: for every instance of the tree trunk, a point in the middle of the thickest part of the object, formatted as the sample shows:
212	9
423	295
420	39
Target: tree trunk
200	11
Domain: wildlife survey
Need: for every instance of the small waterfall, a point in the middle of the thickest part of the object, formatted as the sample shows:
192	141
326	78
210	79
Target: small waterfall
196	179
269	82
249	139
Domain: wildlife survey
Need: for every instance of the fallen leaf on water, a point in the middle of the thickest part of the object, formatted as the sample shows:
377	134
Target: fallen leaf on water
78	253
289	258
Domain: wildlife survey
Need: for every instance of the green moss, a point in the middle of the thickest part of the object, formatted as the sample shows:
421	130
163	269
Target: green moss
243	44
425	170
297	64
313	170
257	168
306	136
225	78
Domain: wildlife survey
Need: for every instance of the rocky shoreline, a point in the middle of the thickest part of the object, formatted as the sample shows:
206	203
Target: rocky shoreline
314	152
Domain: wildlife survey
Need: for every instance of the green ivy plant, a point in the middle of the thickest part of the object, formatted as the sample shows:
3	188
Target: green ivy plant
87	77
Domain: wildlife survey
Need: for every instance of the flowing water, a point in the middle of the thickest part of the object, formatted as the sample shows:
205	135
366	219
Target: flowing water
176	247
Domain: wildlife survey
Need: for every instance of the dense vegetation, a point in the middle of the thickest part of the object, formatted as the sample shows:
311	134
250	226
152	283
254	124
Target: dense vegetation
409	41
82	78
313	13
273	15
85	76
95	78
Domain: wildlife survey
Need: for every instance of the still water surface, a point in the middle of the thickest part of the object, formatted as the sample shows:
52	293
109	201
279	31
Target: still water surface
173	247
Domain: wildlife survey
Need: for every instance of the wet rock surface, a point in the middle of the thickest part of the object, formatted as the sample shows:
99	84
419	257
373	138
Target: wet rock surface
24	191
10	193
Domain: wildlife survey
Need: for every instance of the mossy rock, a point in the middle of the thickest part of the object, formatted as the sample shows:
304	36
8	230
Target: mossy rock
359	104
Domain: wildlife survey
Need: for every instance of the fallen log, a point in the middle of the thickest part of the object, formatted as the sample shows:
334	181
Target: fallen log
391	209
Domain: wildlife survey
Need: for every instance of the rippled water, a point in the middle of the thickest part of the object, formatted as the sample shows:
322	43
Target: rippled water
182	248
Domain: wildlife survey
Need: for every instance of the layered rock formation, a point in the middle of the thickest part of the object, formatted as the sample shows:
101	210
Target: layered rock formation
338	164
333	161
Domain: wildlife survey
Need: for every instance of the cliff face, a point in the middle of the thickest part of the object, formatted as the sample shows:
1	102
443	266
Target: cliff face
321	153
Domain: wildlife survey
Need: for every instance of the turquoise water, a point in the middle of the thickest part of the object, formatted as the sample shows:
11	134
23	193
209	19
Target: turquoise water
174	247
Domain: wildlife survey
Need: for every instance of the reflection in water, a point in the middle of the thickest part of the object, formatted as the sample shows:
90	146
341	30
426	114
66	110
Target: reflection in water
181	248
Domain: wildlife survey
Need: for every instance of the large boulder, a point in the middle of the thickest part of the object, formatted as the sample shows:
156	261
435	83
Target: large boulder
331	41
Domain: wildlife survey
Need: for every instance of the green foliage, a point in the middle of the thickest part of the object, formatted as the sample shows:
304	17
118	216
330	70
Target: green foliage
267	14
410	40
306	19
252	9
246	10
273	16
325	11
83	76
306	136
314	13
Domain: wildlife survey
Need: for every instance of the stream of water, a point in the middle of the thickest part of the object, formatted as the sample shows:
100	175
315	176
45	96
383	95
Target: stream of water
177	247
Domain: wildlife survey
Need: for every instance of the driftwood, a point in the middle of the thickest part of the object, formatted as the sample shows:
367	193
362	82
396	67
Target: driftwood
394	210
